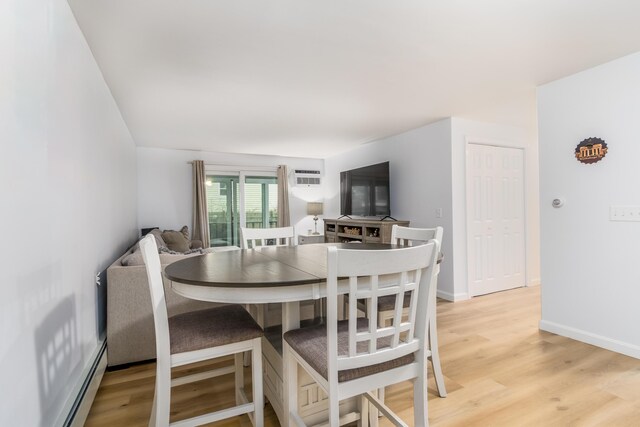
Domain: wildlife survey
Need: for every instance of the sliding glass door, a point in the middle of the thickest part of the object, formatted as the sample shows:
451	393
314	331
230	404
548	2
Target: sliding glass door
222	205
261	201
240	199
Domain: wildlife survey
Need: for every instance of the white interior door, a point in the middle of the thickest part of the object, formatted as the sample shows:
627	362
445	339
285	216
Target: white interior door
495	218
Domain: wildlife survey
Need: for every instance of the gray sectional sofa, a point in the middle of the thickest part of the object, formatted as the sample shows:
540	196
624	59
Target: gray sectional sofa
130	330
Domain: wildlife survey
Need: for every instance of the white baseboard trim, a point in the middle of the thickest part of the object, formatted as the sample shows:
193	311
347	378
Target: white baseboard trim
452	297
589	338
92	389
79	403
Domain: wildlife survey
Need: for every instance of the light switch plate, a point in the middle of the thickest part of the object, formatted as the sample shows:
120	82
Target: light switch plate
624	213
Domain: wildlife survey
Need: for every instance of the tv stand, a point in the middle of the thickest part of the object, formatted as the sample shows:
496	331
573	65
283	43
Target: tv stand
388	216
344	216
342	230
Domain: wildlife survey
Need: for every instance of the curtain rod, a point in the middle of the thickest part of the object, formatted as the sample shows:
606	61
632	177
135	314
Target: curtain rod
239	167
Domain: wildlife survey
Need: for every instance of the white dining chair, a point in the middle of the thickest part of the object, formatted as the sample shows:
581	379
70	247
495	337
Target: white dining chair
353	357
257	237
411	236
196	336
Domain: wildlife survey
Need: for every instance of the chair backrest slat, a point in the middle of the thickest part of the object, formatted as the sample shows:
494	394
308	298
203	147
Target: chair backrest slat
372	274
398	307
373	319
353	317
256	237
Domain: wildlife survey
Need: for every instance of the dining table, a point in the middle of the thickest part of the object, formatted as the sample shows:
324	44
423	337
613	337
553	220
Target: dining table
269	274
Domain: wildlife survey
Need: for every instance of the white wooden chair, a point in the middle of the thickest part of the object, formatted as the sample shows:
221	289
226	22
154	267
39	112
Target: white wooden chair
254	238
411	236
257	237
201	335
352	357
408	236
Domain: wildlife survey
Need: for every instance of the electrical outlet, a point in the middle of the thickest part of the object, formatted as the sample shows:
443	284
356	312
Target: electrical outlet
439	213
624	213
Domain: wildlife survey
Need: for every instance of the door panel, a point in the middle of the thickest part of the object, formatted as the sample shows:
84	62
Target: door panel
222	206
237	200
495	218
261	201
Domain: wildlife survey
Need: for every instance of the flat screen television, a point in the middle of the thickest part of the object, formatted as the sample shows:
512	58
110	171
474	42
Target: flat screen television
365	191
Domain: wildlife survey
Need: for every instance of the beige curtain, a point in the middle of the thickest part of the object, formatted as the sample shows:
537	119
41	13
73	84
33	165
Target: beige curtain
283	196
200	214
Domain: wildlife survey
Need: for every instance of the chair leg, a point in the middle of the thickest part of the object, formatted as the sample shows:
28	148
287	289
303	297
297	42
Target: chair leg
334	410
162	397
260	318
290	380
258	393
261	315
435	358
420	403
318	312
381	396
239	374
152	418
374	413
363	406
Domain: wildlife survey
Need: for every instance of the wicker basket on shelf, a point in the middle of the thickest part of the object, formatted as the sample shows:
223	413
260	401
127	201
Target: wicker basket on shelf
355	231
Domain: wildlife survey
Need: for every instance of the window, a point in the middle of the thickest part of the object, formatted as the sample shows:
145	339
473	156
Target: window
240	199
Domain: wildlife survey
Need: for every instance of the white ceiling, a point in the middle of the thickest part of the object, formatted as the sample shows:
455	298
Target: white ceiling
312	78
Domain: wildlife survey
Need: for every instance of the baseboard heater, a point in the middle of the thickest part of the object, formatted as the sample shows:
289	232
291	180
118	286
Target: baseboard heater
81	404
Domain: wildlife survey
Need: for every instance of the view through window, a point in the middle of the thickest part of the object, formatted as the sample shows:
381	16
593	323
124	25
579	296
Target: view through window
235	201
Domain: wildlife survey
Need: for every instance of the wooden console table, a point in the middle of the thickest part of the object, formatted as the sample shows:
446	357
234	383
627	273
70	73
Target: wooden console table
359	230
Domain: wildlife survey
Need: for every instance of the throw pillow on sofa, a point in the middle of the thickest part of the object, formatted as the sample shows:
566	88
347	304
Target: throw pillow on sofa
177	241
157	234
134	258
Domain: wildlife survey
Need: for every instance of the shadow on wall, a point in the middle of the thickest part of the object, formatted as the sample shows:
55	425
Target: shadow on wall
56	341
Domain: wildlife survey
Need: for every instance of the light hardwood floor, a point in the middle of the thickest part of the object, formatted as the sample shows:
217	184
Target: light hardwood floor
500	370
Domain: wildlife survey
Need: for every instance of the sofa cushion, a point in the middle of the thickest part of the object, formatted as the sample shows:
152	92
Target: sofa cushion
167	256
177	240
158	236
134	258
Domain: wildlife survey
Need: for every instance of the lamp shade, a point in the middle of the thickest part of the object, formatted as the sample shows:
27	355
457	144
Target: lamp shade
314	208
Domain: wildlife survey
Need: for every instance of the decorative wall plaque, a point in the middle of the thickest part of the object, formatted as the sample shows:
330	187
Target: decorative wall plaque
591	150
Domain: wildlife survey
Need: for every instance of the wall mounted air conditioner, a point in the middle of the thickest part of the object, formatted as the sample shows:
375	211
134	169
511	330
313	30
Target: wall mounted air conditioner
307	178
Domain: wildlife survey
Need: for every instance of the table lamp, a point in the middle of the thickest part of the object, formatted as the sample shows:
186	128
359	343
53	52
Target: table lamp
315	209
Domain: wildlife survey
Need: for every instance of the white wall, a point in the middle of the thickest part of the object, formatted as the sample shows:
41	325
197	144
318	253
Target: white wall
420	178
67	185
590	275
165	186
468	131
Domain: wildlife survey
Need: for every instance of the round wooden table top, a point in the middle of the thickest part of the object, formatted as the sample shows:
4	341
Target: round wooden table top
263	267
